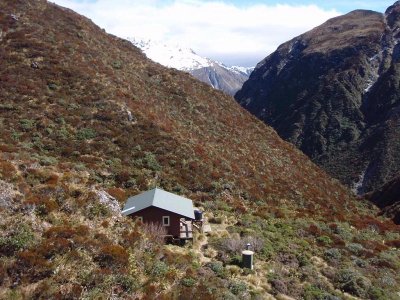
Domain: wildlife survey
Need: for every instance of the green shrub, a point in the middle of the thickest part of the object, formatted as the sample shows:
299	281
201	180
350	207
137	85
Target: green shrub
117	64
52	86
159	269
151	162
15	135
79	166
344	230
48	160
127	282
332	254
217	267
391	257
238	287
360	262
188	282
27	124
236	260
63	133
86	134
303	259
355	248
98	210
352	282
312	292
377	293
324	240
21	238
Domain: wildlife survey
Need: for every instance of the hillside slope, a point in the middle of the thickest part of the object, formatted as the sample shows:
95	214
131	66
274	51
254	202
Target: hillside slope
73	99
86	120
333	93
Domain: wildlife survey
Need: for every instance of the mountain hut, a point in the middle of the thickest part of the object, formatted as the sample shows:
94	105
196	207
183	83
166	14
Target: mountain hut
174	212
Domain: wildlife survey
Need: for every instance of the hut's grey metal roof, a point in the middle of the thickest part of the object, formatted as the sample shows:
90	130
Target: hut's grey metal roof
161	199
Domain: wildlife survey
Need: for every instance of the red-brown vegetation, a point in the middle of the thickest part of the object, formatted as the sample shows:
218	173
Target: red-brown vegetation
365	222
118	194
393	243
7	170
112	255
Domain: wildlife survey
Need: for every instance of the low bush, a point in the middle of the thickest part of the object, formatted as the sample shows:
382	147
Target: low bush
312	292
238	287
217	267
112	255
377	294
86	134
55	245
26	124
355	248
188	282
352	282
98	210
20	238
159	269
278	286
332	254
324	240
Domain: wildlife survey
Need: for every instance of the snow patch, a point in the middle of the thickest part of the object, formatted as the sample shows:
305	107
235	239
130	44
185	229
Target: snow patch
370	84
358	185
375	62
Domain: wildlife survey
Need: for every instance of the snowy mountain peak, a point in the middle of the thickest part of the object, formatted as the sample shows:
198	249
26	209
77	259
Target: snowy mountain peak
242	70
214	73
172	55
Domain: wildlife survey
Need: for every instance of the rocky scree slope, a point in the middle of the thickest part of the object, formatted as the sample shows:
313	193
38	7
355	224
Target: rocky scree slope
333	92
86	120
216	74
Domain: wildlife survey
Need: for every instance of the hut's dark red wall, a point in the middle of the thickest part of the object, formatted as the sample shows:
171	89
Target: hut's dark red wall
154	215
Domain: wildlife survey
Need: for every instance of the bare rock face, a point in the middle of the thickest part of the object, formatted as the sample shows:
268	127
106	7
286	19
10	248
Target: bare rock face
334	93
221	78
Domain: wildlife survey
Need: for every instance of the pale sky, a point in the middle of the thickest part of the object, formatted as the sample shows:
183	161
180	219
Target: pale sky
235	32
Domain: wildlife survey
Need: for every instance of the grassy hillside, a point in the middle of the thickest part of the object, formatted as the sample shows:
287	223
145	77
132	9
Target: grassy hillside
87	120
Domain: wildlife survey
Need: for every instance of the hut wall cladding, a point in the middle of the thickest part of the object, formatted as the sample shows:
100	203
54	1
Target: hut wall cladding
155	214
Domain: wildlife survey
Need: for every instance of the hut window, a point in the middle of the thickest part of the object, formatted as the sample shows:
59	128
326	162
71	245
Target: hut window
140	219
165	220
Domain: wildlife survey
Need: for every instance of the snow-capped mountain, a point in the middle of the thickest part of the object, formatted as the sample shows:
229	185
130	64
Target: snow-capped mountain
219	76
242	70
172	55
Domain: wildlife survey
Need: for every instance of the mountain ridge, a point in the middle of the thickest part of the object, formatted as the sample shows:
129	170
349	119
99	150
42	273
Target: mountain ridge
323	91
214	73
